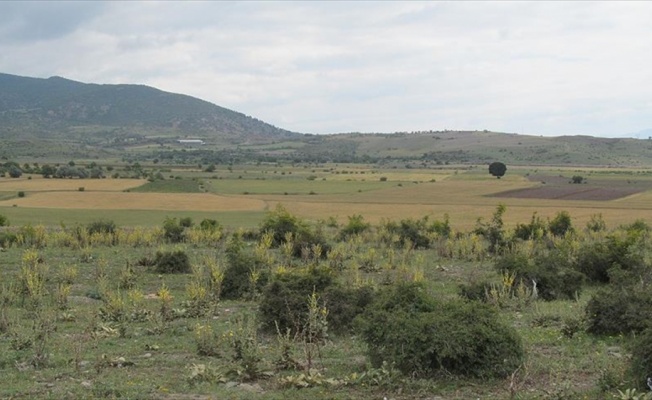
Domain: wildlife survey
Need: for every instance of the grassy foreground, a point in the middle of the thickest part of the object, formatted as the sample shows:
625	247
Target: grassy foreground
87	315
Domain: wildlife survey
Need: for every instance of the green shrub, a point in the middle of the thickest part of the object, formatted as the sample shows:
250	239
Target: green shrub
173	230
619	310
186	222
280	223
172	262
238	272
554	277
210	225
21	194
101	226
355	226
534	230
596	259
308	240
424	337
414	231
345	304
7	239
561	224
493	231
3	220
284	300
641	362
475	291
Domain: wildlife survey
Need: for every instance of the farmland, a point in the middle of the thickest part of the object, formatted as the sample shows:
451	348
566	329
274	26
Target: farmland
88	309
338	191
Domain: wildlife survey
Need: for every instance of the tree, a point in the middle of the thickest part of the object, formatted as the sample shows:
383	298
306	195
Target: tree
15	172
48	171
560	224
577	179
497	169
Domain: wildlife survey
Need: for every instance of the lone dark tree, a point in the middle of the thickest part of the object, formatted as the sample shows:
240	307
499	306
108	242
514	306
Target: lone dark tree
497	169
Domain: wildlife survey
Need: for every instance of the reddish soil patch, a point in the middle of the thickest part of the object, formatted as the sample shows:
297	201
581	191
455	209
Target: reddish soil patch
558	188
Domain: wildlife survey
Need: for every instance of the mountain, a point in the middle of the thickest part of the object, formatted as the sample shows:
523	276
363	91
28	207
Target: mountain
55	107
60	119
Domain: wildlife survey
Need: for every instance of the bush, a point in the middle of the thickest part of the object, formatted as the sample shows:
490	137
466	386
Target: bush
414	231
21	194
475	291
186	222
284	300
619	310
172	262
237	274
554	277
3	220
7	239
173	230
355	226
424	337
101	226
641	363
15	172
210	225
280	223
561	224
536	229
345	304
596	259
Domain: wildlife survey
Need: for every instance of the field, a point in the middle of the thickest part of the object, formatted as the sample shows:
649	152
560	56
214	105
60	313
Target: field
339	191
87	313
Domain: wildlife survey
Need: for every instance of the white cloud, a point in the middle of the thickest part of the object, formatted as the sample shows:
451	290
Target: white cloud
323	67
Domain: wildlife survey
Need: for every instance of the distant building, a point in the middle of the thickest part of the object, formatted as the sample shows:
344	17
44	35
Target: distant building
191	141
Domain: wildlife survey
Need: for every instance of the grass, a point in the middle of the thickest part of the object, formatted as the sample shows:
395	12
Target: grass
19	216
292	186
91	358
170	186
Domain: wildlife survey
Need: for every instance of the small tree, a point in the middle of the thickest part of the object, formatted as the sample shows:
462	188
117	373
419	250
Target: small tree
497	169
15	172
560	224
577	179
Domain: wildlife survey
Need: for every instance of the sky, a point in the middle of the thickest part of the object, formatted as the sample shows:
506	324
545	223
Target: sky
540	68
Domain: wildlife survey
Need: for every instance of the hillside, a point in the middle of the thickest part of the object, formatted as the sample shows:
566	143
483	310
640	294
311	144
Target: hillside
60	119
62	108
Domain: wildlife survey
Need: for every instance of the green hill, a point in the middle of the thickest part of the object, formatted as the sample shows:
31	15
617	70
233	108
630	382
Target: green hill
60	119
58	107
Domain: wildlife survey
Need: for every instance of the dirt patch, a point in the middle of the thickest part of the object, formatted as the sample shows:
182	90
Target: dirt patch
559	188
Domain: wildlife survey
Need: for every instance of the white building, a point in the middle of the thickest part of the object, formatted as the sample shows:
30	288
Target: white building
191	141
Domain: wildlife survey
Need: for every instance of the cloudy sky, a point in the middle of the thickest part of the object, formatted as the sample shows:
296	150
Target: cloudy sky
544	68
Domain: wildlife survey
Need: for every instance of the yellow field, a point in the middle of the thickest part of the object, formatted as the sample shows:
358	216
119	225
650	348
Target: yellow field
38	184
404	176
464	202
137	201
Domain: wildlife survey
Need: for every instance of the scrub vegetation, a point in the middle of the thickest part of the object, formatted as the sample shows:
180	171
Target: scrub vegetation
403	308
